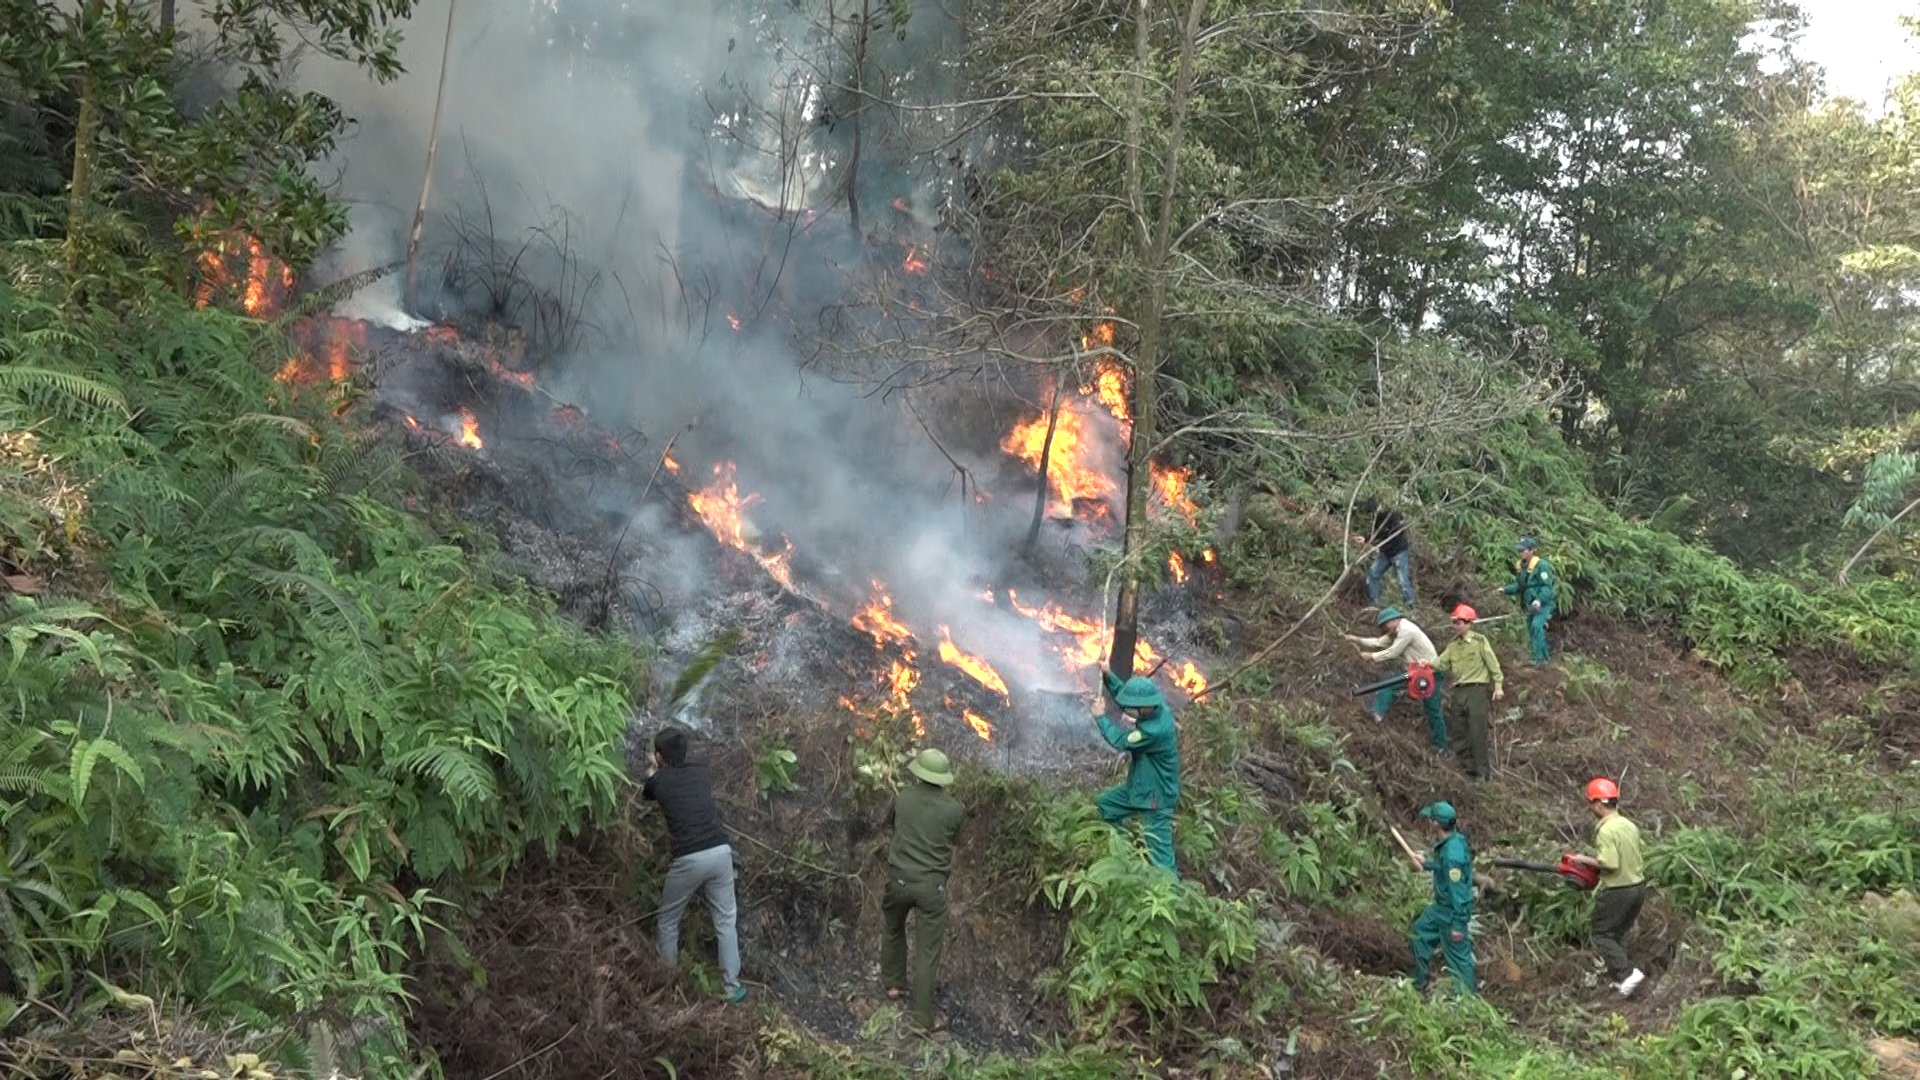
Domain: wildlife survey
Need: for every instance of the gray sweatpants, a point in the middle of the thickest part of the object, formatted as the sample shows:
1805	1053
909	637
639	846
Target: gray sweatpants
712	870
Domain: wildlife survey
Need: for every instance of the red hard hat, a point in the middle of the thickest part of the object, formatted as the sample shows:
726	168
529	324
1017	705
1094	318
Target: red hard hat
1602	788
1462	611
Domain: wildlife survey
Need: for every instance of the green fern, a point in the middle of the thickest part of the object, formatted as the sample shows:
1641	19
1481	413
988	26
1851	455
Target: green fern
462	776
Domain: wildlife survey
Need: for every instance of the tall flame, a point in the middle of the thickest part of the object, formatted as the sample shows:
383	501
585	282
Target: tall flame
1171	485
1068	474
978	724
981	671
1177	566
469	429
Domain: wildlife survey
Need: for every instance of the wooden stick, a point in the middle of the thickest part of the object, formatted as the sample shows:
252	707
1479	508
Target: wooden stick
1418	862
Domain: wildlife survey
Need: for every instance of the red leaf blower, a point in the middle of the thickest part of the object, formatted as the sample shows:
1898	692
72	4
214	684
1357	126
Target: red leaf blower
1418	679
1577	875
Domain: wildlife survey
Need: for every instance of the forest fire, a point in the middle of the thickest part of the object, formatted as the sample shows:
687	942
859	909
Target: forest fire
1068	472
980	671
1110	384
1171	485
262	289
913	263
979	724
470	429
1177	566
733	321
723	509
877	620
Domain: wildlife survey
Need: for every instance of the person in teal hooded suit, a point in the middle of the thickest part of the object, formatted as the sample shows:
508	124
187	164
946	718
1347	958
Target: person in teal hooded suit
1152	788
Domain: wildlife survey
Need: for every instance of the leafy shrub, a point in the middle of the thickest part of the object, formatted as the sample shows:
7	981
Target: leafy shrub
286	710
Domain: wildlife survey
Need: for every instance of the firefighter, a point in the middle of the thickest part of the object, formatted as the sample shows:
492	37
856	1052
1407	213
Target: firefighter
1403	639
1533	587
925	821
1152	787
1623	883
1472	672
1446	923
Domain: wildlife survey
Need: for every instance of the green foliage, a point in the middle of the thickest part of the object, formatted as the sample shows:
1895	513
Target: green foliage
774	771
287	709
1138	938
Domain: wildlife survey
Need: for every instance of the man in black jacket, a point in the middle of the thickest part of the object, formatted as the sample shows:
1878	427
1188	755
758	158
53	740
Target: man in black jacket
1388	530
702	857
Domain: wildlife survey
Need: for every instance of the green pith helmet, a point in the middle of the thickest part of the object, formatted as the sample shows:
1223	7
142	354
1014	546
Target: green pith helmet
1527	543
1440	813
1139	693
931	766
1388	616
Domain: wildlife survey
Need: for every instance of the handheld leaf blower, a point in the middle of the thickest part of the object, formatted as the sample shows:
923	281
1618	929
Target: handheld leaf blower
1418	679
1577	875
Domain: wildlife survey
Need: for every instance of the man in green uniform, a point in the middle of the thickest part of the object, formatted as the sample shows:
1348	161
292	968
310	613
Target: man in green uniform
1474	683
1401	640
925	821
1152	787
1623	883
1533	586
1445	923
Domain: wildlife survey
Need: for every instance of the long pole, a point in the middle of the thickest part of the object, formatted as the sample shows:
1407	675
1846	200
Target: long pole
412	297
1418	862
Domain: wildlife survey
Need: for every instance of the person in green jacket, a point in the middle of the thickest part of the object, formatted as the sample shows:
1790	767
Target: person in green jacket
1446	923
1474	683
925	821
1533	586
1152	788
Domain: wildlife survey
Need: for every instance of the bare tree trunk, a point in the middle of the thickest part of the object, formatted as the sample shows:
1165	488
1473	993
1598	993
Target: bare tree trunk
85	129
859	111
411	299
166	15
1046	458
1146	364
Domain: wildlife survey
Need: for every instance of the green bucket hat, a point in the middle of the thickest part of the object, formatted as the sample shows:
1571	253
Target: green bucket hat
931	766
1387	616
1139	693
1441	812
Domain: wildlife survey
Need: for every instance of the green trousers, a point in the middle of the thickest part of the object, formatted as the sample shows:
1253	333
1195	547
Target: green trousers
1436	720
1537	632
1468	709
1434	930
906	895
1116	806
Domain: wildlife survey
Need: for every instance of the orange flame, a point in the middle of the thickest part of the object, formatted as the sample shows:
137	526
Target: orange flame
671	465
1171	485
913	263
733	321
1067	471
412	423
1188	678
723	509
979	725
263	289
1111	385
1177	566
981	671
878	621
469	429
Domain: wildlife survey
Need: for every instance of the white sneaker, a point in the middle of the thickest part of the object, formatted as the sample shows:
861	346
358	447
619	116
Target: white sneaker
1631	983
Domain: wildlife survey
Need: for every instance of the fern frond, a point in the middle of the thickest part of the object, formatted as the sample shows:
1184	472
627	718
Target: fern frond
299	429
465	778
88	395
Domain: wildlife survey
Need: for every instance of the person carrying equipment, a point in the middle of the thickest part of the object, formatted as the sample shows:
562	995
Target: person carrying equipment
1152	787
1623	883
1533	586
1473	673
1446	924
925	821
1404	639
